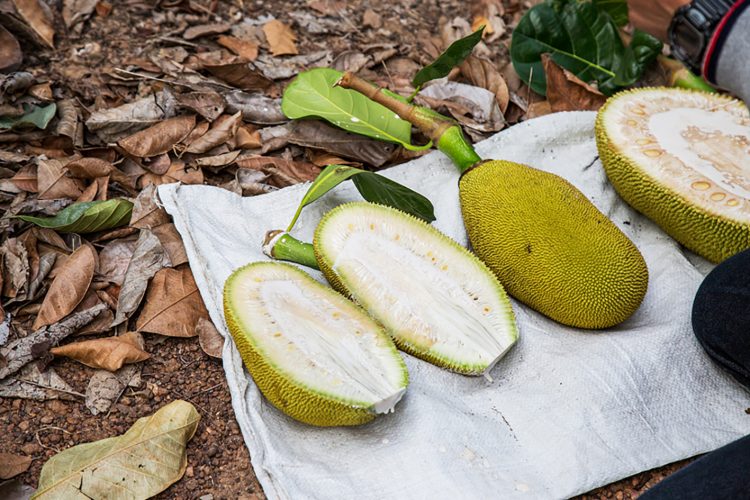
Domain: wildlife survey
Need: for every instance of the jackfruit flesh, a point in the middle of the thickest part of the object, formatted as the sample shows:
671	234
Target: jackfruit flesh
550	246
314	354
682	158
436	299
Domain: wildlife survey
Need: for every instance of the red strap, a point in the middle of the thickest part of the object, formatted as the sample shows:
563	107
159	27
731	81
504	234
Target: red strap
717	35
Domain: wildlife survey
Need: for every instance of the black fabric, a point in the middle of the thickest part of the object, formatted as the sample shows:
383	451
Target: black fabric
722	474
721	316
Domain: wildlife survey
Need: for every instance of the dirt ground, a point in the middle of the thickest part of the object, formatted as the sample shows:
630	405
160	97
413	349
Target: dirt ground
81	67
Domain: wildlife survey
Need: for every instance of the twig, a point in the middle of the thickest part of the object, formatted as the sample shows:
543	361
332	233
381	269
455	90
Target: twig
50	388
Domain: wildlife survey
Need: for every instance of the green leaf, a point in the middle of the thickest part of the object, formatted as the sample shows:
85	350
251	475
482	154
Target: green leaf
617	10
34	116
374	188
582	39
86	217
449	59
312	94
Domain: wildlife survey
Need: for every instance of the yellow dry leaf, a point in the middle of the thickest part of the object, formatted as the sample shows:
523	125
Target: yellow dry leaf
280	38
109	353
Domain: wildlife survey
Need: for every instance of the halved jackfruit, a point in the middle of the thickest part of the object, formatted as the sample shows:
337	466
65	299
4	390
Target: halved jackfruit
314	354
682	158
435	298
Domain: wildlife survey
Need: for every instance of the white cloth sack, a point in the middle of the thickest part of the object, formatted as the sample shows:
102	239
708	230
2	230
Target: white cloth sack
568	410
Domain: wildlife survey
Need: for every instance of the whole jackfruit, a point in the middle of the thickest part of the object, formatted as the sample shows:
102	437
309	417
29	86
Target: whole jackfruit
314	354
682	158
436	299
550	246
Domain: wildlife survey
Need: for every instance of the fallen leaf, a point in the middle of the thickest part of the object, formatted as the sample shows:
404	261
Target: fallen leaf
52	183
474	107
250	182
39	17
10	51
15	269
483	73
173	304
243	48
94	168
30	383
15	490
105	387
256	108
567	92
283	172
209	338
194	32
316	134
146	212
148	258
371	19
210	105
26	179
241	75
69	124
115	123
87	217
69	286
281	69
352	60
12	465
26	349
114	259
171	241
280	38
102	322
226	158
158	139
33	116
144	461
537	109
77	11
178	171
108	353
221	131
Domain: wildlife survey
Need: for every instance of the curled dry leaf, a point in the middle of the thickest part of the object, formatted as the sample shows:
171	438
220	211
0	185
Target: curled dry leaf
280	38
221	131
243	48
145	460
210	105
39	17
10	51
178	171
114	259
567	92
106	387
241	75
256	108
173	304
194	32
222	159
94	168
316	134
283	172
26	179
101	323
113	124
69	286
474	107
483	73
53	183
209	338
108	353
158	139
146	213
281	69
171	241
77	11
12	465
30	383
69	124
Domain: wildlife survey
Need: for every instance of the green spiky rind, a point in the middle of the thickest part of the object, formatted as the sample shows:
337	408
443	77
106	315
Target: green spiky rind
336	282
707	234
580	269
292	397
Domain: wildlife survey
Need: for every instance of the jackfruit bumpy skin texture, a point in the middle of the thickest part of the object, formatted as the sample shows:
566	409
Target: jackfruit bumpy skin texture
550	246
713	223
289	396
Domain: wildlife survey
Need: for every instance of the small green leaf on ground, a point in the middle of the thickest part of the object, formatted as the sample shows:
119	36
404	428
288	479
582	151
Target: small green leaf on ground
312	94
34	116
144	461
373	187
86	217
449	59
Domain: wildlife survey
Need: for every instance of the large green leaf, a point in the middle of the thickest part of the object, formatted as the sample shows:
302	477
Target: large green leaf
34	116
374	188
86	217
583	40
449	59
617	10
313	94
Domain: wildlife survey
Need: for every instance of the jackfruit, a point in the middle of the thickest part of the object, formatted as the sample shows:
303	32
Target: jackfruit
681	158
550	246
314	354
436	299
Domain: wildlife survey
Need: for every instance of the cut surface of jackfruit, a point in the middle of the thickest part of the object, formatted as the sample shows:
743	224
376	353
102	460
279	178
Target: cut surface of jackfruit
434	297
314	354
682	158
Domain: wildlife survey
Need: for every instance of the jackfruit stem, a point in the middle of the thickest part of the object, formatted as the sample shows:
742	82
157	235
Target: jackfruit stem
443	131
680	76
280	245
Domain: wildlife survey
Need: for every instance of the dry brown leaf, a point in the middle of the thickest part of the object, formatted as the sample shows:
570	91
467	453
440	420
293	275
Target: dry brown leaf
146	213
194	32
243	48
483	73
537	109
221	131
39	18
53	183
247	138
158	139
10	51
171	241
255	108
283	172
69	286
240	75
101	323
371	19
178	171
209	338
218	160
12	465
105	387
210	105
567	92
15	268
94	168
173	304
30	383
114	259
108	353
315	134
89	194
26	179
280	38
